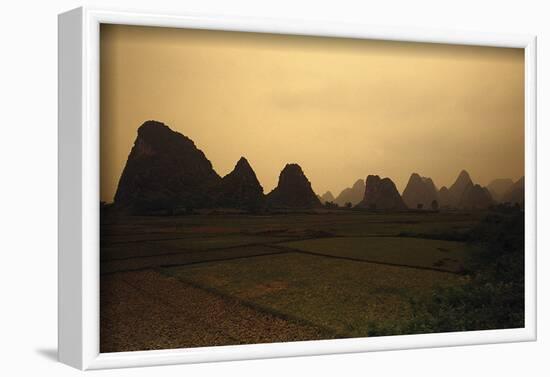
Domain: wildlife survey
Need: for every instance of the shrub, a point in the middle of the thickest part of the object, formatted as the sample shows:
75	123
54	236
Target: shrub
493	295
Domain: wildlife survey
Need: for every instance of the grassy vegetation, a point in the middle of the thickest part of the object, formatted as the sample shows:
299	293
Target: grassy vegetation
492	298
343	296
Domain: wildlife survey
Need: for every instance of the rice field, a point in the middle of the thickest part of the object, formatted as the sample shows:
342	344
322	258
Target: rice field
275	277
340	295
416	252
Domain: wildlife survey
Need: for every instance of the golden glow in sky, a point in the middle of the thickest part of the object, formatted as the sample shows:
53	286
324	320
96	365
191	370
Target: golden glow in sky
340	108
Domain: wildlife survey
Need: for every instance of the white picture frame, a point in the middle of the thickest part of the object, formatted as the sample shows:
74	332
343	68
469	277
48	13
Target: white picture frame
78	284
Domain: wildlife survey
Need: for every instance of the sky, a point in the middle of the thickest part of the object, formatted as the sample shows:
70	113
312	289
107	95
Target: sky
340	108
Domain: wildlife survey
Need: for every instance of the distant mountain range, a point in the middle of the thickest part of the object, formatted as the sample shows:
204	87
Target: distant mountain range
515	193
165	170
327	197
421	192
353	194
499	187
464	194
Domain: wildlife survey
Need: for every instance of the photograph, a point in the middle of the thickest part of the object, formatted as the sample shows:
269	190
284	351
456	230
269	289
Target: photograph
264	188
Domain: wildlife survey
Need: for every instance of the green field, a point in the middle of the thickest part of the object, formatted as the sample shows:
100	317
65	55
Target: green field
343	296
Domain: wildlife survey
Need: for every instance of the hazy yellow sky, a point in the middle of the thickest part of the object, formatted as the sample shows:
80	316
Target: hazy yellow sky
340	108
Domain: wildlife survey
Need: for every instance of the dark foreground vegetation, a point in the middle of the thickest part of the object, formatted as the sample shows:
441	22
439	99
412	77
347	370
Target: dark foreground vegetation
492	297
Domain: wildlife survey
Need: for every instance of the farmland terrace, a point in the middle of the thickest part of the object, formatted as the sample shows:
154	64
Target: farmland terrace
224	279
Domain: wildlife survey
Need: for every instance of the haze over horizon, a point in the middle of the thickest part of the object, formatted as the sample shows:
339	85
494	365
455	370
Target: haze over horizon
340	108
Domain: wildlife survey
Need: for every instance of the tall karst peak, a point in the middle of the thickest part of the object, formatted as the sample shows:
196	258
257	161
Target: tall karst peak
293	190
462	180
465	194
158	137
165	170
463	174
240	188
475	197
420	193
381	194
243	164
462	183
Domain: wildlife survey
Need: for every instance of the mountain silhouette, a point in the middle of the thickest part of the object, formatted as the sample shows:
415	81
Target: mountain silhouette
475	197
516	193
165	170
464	194
240	188
327	197
352	194
444	197
420	192
293	190
499	187
458	188
381	194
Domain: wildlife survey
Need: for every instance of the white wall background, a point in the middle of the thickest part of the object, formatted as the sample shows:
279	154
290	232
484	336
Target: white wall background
28	185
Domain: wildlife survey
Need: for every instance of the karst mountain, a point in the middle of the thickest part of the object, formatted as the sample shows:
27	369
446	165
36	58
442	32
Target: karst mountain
327	197
165	170
516	193
444	197
353	194
240	188
381	194
293	190
499	187
420	192
476	197
462	183
465	194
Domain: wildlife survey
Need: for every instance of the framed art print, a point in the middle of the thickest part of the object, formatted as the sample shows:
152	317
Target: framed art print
235	188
